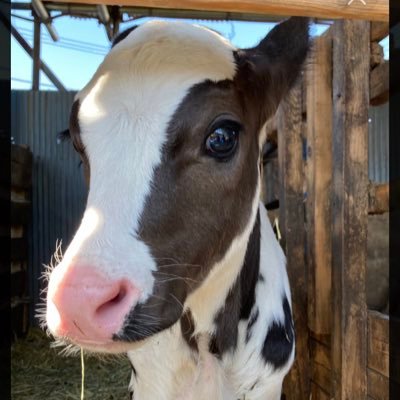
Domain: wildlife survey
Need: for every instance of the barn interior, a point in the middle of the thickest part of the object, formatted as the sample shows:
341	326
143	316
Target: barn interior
331	214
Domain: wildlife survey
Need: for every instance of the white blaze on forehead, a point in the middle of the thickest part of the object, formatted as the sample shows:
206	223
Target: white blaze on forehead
123	117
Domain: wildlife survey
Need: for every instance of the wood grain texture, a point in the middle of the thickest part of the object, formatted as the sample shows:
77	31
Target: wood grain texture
320	354
378	385
378	198
379	30
318	393
378	342
351	46
319	184
379	84
289	124
377	56
374	10
321	376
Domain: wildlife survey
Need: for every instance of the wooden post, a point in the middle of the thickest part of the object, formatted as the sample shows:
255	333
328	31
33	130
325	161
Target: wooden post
319	184
24	44
350	208
291	209
36	53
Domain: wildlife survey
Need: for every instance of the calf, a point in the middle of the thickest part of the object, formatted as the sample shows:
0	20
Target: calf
175	261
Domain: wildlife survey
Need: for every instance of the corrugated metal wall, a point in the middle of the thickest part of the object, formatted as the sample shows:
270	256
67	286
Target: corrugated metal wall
58	188
378	143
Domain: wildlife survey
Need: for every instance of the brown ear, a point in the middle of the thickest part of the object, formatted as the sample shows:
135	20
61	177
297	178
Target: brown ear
271	68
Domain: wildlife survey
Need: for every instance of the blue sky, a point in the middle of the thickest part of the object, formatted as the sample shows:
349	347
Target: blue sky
83	44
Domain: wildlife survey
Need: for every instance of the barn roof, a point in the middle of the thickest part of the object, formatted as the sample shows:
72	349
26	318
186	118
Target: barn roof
373	10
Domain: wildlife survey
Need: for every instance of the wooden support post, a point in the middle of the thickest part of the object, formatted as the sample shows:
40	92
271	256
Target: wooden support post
43	66
379	84
36	53
289	124
379	30
319	184
378	198
351	46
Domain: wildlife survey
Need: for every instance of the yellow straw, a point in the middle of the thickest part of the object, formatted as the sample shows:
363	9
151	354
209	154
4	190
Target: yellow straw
83	376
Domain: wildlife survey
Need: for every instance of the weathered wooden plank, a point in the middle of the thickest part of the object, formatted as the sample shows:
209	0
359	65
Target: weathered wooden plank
350	208
378	198
21	167
318	393
377	56
291	209
379	84
320	354
378	342
378	385
319	184
17	231
271	182
379	30
19	249
20	212
321	376
324	339
373	10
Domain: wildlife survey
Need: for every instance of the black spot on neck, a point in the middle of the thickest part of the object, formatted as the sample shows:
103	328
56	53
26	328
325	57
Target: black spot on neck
279	341
252	321
187	328
241	297
250	271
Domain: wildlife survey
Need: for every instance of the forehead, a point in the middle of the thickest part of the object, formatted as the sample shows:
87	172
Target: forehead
149	72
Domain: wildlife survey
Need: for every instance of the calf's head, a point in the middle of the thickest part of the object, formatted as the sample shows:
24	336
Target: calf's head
170	130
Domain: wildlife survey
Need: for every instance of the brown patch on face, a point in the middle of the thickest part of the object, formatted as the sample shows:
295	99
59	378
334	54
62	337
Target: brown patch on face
198	204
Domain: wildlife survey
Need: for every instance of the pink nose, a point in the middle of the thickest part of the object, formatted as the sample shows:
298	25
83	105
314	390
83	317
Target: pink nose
90	306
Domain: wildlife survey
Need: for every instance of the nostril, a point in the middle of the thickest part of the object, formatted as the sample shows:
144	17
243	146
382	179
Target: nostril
115	299
120	296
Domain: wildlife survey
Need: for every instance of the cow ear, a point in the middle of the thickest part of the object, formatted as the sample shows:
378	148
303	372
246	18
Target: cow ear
121	36
271	68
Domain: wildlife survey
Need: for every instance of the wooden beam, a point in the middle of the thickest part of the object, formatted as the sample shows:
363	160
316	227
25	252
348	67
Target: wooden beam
379	84
373	10
378	198
379	30
43	66
378	385
377	56
319	184
351	46
378	342
291	209
36	53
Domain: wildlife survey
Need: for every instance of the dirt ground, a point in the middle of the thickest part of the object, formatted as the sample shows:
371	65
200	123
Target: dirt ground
39	372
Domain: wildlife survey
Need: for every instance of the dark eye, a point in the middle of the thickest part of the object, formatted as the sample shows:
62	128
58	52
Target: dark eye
222	142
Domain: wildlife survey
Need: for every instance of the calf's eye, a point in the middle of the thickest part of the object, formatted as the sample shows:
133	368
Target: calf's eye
223	140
